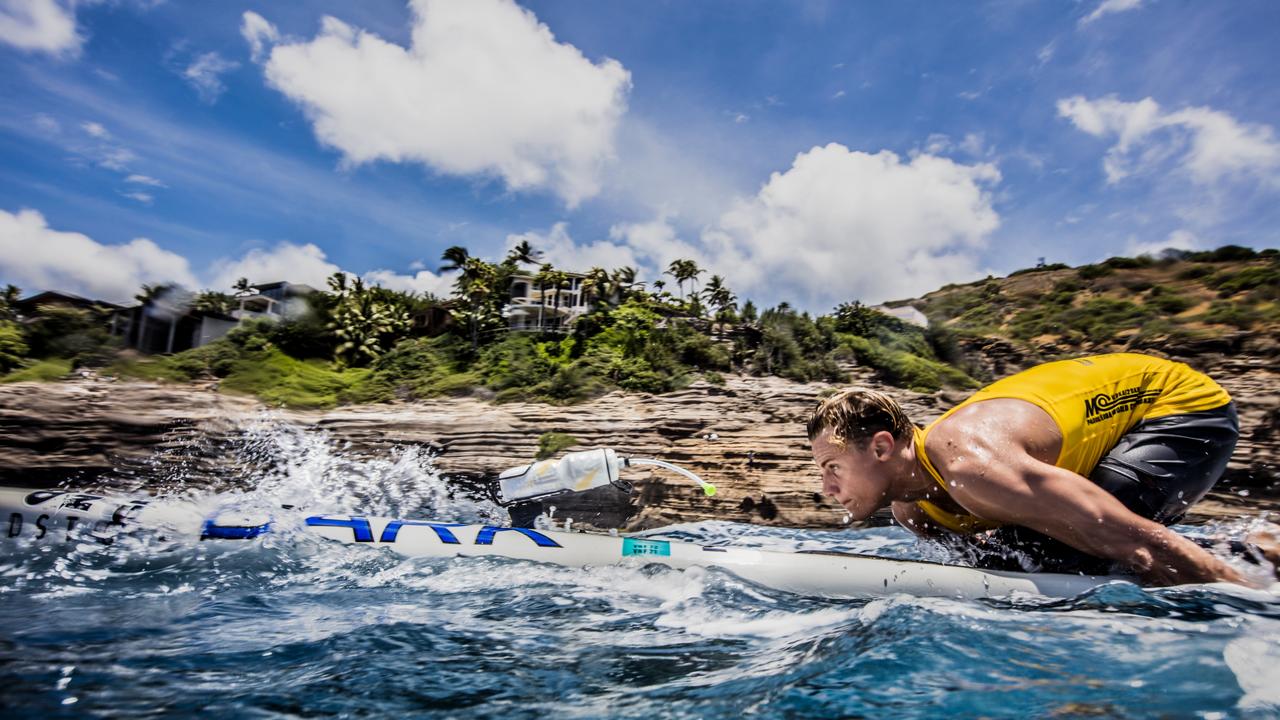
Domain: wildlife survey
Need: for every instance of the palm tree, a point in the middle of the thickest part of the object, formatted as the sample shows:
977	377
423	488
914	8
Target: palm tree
559	279
8	301
542	280
477	285
523	254
596	285
718	295
683	271
624	281
455	257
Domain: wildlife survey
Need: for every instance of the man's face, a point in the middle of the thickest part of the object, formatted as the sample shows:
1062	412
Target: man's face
853	476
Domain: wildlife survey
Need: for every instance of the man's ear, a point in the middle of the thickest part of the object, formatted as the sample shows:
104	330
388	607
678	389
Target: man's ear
882	444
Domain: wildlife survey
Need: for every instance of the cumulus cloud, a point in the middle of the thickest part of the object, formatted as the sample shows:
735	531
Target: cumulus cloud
1109	7
309	265
35	257
841	225
45	26
142	197
205	75
838	225
1207	144
560	249
144	180
484	89
305	264
423	281
1177	240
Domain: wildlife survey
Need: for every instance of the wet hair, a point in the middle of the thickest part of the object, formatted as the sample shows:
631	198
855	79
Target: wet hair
854	415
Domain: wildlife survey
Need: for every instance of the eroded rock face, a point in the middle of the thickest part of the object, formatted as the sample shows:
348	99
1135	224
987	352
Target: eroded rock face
747	437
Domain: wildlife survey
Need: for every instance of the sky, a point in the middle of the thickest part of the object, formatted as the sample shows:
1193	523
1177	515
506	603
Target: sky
813	152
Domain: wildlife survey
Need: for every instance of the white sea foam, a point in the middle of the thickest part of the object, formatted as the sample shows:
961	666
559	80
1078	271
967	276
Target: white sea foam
1255	660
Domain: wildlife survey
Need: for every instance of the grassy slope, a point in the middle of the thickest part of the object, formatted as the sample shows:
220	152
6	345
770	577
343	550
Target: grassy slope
1103	307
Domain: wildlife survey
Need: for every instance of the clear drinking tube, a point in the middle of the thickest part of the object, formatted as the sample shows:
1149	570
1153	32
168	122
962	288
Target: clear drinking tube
707	488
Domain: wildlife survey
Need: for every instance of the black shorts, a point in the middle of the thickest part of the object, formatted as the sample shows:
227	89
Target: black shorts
1159	469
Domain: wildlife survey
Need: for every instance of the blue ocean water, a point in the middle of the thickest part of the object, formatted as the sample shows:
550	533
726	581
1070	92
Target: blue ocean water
295	626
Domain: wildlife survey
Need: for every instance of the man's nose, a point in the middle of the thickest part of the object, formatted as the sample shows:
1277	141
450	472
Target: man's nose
829	485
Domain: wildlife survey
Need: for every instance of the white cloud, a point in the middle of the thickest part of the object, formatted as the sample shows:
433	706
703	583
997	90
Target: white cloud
36	257
1108	7
142	197
306	264
483	89
655	244
1207	144
205	75
309	265
259	33
144	180
48	124
973	144
95	129
1177	240
841	225
114	158
39	26
423	281
559	249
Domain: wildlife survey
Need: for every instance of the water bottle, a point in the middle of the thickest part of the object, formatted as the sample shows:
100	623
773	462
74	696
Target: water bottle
573	472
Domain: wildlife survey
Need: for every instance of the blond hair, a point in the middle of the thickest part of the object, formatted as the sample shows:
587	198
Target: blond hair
858	413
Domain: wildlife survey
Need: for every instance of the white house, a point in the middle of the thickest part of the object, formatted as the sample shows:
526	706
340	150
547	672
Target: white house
274	301
533	308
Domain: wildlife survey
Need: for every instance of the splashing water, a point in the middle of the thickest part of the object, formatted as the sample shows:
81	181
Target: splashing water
293	625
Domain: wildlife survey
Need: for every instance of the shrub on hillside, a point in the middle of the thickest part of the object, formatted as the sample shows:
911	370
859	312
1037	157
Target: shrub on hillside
13	348
66	332
1224	312
1093	272
1167	300
1226	253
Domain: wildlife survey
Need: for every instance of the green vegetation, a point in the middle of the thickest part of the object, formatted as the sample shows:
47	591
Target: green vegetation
13	347
553	443
40	371
1117	304
359	343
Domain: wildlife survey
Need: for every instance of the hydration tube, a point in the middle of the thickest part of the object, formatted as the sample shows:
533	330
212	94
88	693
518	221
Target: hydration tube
707	488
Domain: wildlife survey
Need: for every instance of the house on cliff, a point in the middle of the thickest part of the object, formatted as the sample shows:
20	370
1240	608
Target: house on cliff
174	320
544	307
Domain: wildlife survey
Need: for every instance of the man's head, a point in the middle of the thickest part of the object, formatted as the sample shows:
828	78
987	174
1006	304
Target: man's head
856	435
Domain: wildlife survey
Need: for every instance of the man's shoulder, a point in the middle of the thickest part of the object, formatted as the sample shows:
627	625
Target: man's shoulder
998	430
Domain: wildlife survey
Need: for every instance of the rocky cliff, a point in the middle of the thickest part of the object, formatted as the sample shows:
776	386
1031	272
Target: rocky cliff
746	437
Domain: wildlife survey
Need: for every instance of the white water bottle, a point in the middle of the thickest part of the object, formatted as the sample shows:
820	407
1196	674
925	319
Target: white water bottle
573	472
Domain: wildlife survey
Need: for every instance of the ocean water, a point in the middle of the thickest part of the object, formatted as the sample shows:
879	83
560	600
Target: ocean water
294	626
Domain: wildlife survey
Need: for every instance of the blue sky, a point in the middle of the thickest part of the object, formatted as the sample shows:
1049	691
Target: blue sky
813	152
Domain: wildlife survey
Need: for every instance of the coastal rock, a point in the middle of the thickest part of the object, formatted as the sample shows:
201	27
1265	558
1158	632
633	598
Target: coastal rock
745	436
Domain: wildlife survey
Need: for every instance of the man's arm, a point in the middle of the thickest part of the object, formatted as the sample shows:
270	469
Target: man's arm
1022	490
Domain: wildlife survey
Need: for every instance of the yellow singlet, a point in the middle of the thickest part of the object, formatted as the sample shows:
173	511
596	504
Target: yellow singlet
1094	400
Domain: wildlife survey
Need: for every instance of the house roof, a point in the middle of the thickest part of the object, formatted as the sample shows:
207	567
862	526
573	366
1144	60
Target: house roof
50	297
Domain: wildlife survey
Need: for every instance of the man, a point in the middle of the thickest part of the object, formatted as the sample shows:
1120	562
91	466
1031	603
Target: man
1071	466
